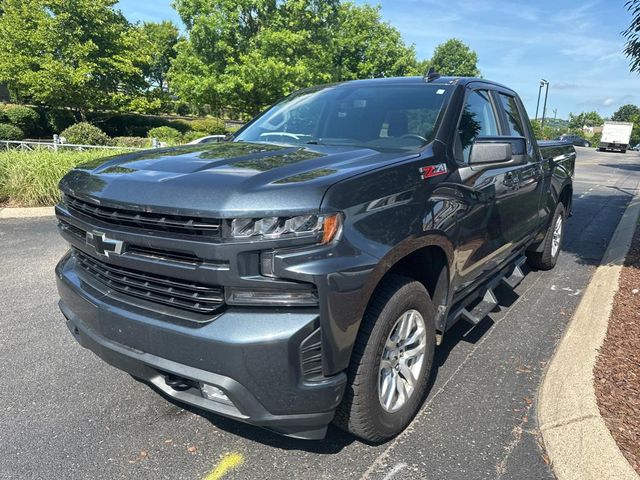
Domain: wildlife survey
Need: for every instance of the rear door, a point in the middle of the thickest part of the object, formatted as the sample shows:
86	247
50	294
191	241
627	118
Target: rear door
518	207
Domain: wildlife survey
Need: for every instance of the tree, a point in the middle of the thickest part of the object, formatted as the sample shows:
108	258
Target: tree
584	119
244	55
626	113
632	34
366	47
540	133
81	54
455	58
161	42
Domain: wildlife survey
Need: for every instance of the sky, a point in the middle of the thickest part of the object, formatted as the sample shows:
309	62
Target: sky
575	45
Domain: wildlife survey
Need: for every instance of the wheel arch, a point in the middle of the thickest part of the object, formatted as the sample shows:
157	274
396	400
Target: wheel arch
433	251
566	197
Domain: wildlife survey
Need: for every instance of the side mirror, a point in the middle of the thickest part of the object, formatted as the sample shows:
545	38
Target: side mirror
498	151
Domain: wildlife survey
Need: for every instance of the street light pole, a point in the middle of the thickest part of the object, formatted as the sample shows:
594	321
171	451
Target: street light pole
538	102
544	109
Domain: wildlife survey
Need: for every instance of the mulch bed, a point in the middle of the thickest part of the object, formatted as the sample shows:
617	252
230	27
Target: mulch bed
617	371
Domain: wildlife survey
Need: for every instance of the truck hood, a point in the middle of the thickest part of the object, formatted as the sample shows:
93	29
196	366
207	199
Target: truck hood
223	180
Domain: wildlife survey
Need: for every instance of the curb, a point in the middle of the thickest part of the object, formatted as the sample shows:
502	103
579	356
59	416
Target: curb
575	436
33	212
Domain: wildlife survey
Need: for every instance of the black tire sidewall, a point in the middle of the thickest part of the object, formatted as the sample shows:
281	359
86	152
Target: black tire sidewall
411	296
559	212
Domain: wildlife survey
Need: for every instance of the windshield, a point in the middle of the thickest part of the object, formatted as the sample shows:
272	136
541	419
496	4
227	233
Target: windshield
395	117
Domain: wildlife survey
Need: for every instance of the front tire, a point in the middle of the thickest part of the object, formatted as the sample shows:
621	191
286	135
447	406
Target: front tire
548	258
391	362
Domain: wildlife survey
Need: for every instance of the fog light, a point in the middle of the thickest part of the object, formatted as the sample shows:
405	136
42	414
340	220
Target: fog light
211	392
302	298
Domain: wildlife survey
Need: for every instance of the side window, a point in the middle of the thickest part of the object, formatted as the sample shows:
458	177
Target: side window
514	120
478	120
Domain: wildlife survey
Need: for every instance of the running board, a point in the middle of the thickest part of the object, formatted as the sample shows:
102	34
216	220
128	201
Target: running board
482	309
510	277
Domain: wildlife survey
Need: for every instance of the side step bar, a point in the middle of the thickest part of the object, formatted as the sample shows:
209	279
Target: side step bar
510	277
488	303
516	276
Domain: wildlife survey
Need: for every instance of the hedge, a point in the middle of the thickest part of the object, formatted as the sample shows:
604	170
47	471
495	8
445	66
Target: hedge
10	132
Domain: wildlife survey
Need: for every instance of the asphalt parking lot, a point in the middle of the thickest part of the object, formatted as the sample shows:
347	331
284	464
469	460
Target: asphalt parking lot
66	414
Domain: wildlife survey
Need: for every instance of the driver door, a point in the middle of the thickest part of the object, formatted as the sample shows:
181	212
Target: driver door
480	239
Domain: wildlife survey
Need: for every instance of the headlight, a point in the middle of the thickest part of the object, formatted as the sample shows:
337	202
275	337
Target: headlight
325	227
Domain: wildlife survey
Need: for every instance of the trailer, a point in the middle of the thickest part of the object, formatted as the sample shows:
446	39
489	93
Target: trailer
616	136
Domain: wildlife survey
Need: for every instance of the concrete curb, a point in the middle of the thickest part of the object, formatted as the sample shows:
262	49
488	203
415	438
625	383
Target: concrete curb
11	212
577	440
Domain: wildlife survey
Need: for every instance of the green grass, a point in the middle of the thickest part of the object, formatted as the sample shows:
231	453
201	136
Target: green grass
30	179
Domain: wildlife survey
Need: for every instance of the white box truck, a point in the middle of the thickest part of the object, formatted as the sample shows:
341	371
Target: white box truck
616	136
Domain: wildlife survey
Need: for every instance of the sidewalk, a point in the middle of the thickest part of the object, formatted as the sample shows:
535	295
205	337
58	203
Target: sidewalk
576	438
11	212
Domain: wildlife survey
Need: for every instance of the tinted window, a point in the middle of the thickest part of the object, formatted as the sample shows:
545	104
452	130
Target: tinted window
398	117
478	120
514	120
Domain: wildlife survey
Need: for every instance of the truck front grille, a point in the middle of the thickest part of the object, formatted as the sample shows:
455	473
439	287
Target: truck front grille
176	293
210	227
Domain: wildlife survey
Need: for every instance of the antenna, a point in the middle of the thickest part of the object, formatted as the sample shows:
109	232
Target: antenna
431	75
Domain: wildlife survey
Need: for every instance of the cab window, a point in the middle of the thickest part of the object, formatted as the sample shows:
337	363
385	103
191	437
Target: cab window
478	120
514	120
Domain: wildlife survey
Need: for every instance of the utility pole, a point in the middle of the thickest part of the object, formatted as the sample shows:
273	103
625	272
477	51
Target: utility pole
544	109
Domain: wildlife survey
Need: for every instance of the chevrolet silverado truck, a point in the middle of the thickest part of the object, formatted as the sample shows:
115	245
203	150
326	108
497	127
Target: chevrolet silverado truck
304	271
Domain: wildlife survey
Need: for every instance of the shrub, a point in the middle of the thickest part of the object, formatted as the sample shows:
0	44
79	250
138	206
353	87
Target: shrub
166	134
30	179
10	132
25	118
134	125
192	135
211	125
136	142
84	133
59	120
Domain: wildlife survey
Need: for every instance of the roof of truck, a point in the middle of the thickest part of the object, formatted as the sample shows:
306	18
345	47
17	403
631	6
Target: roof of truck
416	79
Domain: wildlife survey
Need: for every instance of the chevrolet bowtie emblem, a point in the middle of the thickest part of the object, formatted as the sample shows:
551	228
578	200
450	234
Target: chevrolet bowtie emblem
104	245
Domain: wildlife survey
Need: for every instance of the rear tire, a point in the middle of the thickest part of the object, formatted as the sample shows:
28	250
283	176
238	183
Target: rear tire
362	411
548	257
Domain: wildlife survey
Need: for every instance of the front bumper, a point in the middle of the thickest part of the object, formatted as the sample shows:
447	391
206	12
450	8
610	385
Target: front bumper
252	355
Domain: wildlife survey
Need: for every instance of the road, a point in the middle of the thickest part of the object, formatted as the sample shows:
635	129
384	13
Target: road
66	414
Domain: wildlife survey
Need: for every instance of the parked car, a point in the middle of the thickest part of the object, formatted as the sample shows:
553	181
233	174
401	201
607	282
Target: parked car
637	148
616	136
576	140
305	271
207	139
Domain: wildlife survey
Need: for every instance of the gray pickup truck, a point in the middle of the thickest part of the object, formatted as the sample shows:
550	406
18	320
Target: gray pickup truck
304	272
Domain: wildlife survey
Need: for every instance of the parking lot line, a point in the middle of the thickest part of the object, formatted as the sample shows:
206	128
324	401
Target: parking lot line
229	462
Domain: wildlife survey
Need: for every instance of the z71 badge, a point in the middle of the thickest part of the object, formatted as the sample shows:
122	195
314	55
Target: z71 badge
433	170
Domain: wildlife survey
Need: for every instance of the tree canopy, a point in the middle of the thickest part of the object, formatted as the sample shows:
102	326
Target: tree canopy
247	54
626	113
584	119
81	54
632	34
235	56
455	58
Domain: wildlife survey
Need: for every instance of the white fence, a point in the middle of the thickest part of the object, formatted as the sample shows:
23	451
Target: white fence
29	146
57	145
